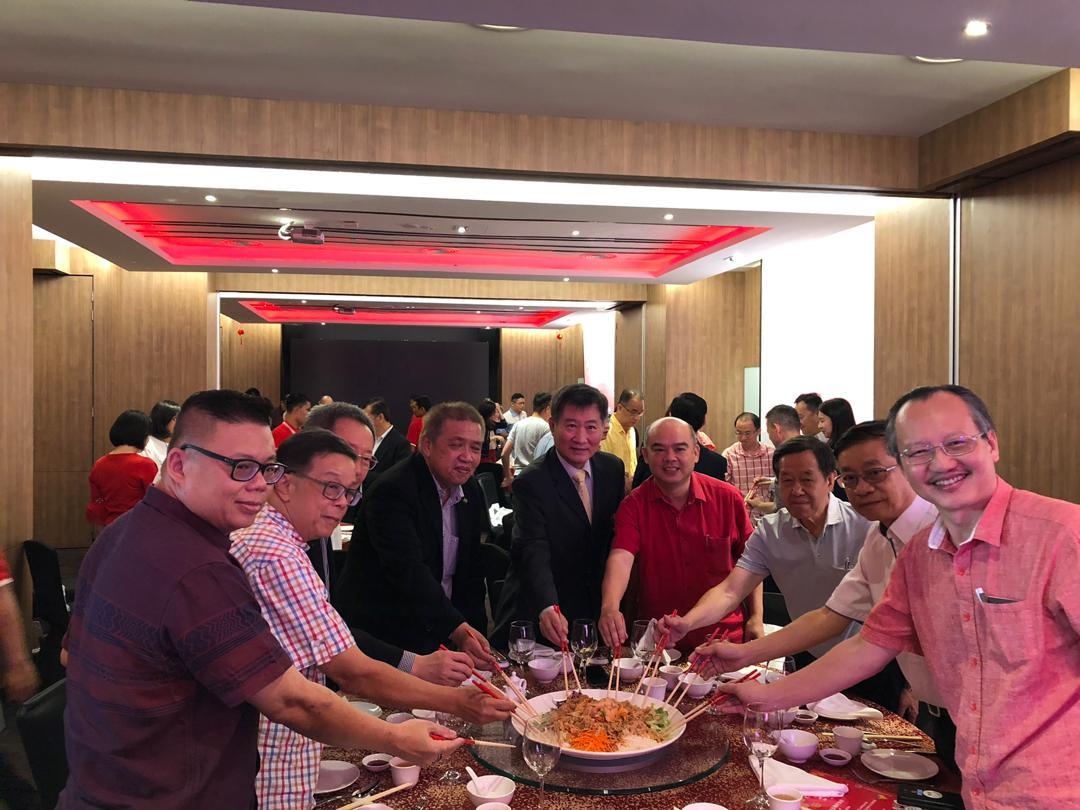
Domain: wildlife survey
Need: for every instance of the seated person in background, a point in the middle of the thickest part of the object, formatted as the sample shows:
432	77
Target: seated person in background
520	448
295	408
493	442
807	547
413	576
691	409
119	479
684	531
350	423
748	459
391	447
306	503
564	508
419	404
621	440
162	419
781	423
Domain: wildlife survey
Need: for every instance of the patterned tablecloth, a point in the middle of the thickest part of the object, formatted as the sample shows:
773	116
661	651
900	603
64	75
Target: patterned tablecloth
730	786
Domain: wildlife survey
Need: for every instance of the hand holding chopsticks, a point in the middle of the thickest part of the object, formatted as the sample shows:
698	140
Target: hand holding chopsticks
566	654
697	666
715	700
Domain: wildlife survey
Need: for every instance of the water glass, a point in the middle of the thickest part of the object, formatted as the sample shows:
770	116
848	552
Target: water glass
540	748
583	641
522	642
761	733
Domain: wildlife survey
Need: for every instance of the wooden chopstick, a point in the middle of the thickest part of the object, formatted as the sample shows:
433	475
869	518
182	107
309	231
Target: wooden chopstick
372	799
471	741
715	700
695	667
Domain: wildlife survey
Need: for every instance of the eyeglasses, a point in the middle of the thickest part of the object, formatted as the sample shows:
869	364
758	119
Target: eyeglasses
370	461
332	490
874	475
958	445
243	469
745	434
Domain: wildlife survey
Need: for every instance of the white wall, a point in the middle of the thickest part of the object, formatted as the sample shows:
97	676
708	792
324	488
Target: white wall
817	320
598	342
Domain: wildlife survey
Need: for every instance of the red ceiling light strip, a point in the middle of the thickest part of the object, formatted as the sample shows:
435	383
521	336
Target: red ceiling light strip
273	312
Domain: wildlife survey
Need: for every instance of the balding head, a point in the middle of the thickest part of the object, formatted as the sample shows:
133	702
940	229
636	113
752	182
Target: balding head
671	451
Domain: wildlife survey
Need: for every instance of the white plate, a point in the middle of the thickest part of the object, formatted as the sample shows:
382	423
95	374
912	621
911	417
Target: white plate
824	712
546	702
899	764
335	775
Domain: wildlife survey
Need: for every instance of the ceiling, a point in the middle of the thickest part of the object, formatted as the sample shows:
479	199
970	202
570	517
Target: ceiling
843	67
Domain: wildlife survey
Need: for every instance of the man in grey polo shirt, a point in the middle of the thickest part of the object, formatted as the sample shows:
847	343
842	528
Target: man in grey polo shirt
807	547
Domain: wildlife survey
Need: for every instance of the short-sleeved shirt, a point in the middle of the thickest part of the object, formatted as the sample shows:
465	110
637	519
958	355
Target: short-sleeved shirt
416	427
864	585
166	647
282	432
622	443
118	481
744	468
296	605
525	435
805	568
681	554
998	620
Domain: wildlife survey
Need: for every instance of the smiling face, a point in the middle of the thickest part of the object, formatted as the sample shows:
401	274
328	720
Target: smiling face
808	419
747	434
301	500
803	489
578	433
954	484
884	501
454	454
671	451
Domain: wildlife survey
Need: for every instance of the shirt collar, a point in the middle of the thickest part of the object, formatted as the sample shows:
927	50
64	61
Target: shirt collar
737	448
616	426
988	529
834	514
161	501
447	497
282	525
912	520
571	470
697	491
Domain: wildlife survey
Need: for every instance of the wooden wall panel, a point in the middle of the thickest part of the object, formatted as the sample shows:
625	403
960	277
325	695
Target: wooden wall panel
912	278
179	123
528	361
629	372
569	357
654	347
254	359
1019	330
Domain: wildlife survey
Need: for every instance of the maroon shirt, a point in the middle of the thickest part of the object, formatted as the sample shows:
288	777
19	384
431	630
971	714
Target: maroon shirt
166	645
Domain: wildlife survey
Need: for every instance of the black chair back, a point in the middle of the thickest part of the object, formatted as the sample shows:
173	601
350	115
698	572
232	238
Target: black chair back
489	488
50	609
494	562
41	725
775	609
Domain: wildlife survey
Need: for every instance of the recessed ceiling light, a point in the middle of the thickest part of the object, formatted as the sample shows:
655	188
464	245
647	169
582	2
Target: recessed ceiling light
487	327
273	269
575	233
521	307
477	312
461	229
284	209
669	217
566	278
933	60
210	198
323	323
303	300
501	28
977	28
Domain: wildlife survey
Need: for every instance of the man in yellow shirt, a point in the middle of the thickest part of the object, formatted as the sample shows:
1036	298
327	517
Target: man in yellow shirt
621	440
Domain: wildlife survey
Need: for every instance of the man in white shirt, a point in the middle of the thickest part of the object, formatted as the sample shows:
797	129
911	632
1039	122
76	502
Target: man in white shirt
517	409
520	448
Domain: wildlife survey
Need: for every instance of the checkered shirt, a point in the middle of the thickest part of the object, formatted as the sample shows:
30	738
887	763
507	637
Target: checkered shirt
295	604
743	468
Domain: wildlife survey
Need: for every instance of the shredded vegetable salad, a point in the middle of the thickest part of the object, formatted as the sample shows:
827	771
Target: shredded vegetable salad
589	724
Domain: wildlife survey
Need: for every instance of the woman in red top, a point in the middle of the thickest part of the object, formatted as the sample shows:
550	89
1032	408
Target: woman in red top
119	480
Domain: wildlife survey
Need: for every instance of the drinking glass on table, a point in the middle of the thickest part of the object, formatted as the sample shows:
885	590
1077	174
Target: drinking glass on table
638	633
457	725
522	642
540	748
583	641
761	733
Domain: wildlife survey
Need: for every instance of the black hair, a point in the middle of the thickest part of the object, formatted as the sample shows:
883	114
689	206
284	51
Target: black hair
980	414
294	401
811	401
486	409
824	457
160	415
422	401
578	395
326	416
783	415
253	392
516	395
628	394
842	417
687	409
698	400
220	405
130	428
542	399
437	417
299	450
753	417
378	407
859	434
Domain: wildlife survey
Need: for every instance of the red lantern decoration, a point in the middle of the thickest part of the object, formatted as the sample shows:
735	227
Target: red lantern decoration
558	335
240	332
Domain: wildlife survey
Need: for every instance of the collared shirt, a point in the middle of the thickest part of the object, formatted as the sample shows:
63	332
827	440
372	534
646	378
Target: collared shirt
743	468
571	470
864	585
998	620
547	441
682	553
282	432
512	418
380	437
448	499
416	427
807	569
525	435
622	443
296	605
167	645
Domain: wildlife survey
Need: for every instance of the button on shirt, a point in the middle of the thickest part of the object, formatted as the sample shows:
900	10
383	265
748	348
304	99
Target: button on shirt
807	569
682	553
864	585
448	499
622	443
295	604
1007	662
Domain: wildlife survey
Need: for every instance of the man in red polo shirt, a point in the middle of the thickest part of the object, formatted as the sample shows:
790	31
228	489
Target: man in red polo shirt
296	410
686	532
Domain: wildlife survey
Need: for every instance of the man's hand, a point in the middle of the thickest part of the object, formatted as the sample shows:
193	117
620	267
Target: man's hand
21	681
746	692
675	626
444	667
909	705
411	740
475	646
479	708
724	656
613	628
554	626
753	629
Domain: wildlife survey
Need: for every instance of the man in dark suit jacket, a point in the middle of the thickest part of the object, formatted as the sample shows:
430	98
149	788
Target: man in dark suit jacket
559	549
391	446
691	409
413	575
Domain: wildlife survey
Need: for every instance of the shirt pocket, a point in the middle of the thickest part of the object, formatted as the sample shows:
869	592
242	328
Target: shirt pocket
719	561
1011	632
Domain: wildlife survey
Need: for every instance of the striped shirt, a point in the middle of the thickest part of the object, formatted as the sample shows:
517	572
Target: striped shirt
295	604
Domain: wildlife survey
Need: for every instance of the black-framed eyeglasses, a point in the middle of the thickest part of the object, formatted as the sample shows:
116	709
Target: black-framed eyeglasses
243	469
959	445
875	475
332	490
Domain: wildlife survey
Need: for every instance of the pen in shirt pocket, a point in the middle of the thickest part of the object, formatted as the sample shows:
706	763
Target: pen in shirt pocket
986	599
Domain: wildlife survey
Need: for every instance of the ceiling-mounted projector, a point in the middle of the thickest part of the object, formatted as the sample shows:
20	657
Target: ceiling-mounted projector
301	234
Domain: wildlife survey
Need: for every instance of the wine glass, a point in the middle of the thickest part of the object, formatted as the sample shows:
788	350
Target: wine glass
457	725
583	641
638	633
522	642
540	747
761	733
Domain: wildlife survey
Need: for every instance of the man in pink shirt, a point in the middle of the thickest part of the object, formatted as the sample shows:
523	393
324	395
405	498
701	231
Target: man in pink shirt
990	596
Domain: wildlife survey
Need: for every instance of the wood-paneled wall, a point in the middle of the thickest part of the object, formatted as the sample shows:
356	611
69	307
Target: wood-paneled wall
629	372
178	123
251	359
1019	330
528	363
569	356
911	298
654	346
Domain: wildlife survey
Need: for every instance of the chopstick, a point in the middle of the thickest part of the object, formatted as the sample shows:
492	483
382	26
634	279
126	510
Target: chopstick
471	741
372	799
715	700
886	737
611	674
491	691
655	658
695	667
566	651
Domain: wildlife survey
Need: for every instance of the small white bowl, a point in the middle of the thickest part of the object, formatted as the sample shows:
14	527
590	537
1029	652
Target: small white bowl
834	756
630	669
805	717
423	714
403	772
366	707
798	746
673	655
494	788
377	763
545	670
670	674
399	717
494	806
703	806
699	687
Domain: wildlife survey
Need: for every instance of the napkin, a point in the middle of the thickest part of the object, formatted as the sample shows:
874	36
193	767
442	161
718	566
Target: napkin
780	773
838	704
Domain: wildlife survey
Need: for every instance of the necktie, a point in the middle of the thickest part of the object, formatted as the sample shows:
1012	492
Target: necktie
583	493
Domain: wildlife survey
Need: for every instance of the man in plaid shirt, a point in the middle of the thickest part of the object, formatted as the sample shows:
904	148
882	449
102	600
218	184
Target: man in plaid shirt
308	502
748	459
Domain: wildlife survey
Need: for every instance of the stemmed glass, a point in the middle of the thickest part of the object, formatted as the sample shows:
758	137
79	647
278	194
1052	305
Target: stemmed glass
522	642
540	747
638	633
583	641
457	725
761	733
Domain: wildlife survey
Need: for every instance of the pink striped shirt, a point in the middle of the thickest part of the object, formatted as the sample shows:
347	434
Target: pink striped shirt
295	604
998	620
